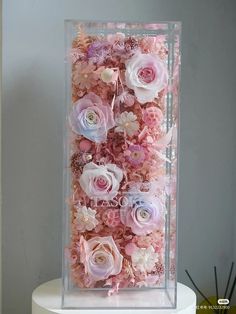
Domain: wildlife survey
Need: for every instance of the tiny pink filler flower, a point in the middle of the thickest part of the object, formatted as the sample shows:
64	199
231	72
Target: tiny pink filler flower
136	155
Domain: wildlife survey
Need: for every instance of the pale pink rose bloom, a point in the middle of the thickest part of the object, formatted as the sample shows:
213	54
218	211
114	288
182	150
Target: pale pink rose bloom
109	75
101	257
101	182
147	75
141	214
92	118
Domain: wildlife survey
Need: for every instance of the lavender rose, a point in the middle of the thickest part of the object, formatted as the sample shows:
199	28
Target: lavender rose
146	74
101	182
141	214
91	118
101	257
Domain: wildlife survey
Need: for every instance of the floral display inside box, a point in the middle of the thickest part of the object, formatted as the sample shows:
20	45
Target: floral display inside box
121	157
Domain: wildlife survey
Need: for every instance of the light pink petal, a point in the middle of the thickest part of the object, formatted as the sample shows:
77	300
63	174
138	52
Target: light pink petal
118	173
94	98
165	140
145	95
82	104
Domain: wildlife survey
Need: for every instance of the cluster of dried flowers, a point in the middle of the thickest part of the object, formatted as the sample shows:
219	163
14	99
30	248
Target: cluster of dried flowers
118	143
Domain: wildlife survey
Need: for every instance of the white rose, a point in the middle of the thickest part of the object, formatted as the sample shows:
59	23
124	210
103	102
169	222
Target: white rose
101	182
147	75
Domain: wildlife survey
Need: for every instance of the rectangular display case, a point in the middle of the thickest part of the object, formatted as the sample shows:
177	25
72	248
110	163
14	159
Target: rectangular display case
120	164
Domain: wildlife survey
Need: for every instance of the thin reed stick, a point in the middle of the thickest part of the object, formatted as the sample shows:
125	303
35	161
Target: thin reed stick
199	291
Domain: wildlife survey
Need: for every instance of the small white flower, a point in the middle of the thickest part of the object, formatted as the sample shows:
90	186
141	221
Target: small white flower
127	123
144	259
86	219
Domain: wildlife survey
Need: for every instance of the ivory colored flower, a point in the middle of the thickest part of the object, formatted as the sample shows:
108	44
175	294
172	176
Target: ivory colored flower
109	75
85	218
101	257
91	118
144	259
101	182
127	123
147	75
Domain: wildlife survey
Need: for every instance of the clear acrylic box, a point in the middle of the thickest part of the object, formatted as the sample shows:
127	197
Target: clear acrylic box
120	165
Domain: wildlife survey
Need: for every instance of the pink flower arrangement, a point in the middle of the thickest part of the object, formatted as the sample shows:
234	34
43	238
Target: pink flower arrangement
111	217
118	142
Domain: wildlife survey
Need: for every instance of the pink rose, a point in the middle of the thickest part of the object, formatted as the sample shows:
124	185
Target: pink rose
91	118
142	214
101	182
147	75
101	257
